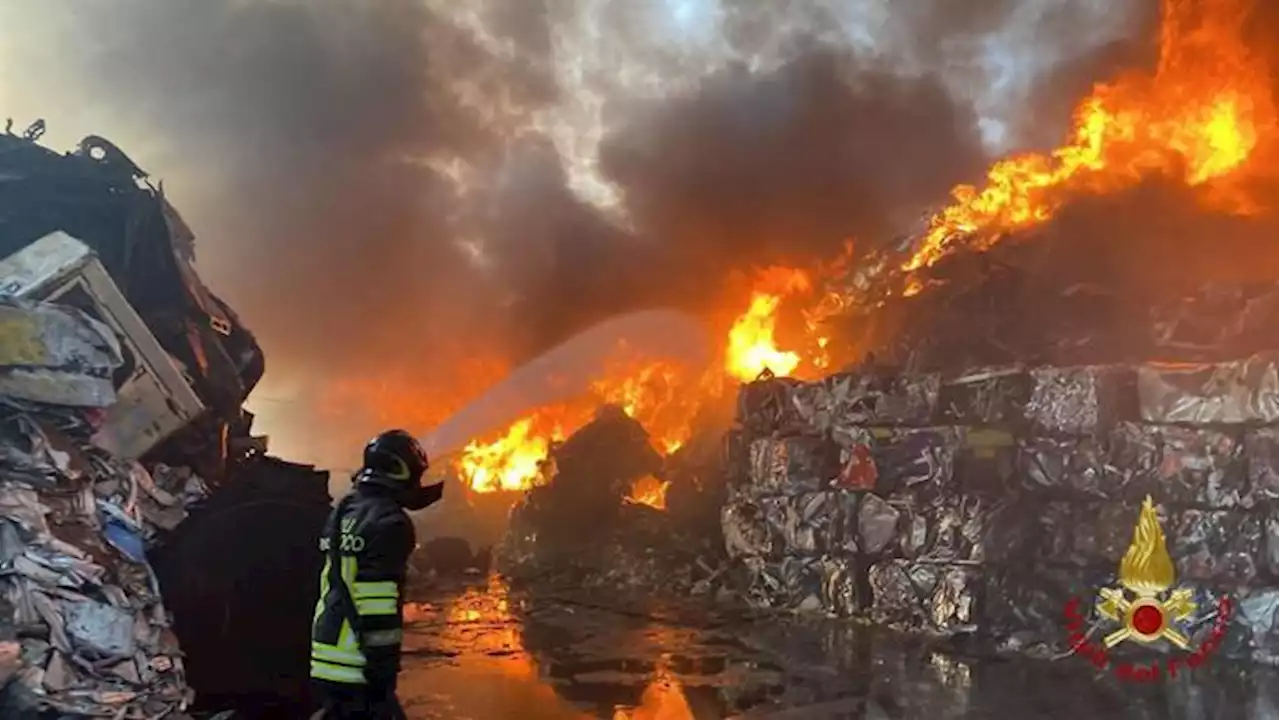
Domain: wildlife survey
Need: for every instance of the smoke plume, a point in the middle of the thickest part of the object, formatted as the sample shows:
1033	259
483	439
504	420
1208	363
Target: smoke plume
383	188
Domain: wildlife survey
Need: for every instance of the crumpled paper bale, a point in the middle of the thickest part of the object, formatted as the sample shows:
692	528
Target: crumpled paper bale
1187	466
1243	391
985	396
1081	400
932	597
56	354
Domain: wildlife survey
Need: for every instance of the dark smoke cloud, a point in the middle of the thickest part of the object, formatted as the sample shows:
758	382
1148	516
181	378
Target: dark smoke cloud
332	134
754	170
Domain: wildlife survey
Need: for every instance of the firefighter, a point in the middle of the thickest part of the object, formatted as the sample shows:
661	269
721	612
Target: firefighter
356	633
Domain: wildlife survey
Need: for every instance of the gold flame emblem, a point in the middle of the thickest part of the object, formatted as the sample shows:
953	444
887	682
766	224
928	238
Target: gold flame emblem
1147	572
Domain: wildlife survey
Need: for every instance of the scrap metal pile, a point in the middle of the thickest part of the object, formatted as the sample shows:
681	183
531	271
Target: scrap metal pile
980	502
121	381
580	529
80	602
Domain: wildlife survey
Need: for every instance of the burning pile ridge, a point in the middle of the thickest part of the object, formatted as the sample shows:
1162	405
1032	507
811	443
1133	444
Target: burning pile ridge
1197	131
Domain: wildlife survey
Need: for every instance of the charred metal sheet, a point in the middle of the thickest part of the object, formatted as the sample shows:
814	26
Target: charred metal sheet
1262	453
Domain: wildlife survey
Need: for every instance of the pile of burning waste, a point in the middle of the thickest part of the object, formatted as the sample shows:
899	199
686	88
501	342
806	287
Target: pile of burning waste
1032	367
614	513
121	435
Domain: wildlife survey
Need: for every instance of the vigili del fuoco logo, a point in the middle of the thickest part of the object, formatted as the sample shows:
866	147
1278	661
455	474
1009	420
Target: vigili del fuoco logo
1146	609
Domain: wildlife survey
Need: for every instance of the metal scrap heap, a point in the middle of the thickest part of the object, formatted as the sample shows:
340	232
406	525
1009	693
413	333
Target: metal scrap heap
80	609
982	502
121	384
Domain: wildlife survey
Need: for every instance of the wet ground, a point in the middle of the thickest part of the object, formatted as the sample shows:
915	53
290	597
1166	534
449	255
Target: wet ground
482	652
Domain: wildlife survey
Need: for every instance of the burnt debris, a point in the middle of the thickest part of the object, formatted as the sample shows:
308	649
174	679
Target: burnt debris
132	493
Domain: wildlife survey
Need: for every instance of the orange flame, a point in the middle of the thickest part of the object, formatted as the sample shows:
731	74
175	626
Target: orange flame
649	491
751	346
1196	119
662	396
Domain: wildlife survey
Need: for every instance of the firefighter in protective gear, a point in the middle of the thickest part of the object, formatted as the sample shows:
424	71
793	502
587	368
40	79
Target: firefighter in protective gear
356	632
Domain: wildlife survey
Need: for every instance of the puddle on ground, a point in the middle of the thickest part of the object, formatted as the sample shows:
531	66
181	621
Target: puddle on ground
482	652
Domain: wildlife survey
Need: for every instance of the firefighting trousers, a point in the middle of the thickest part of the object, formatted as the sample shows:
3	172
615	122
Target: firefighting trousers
339	701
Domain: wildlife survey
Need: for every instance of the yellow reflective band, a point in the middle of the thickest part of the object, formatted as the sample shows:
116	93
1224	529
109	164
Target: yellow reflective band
383	638
380	589
336	673
376	606
330	653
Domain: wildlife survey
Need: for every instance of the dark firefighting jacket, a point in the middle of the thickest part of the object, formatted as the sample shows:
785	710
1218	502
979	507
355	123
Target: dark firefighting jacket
356	632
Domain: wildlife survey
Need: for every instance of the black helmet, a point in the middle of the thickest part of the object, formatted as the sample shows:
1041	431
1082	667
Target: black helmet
396	460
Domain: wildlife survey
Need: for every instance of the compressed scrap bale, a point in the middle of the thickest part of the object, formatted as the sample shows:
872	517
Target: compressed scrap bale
936	598
814	523
917	462
823	584
1244	391
765	407
1085	534
1023	608
1077	467
985	397
1218	548
1271	544
1262	453
849	400
792	583
1186	466
877	523
1081	400
746	529
791	465
808	524
952	531
1253	633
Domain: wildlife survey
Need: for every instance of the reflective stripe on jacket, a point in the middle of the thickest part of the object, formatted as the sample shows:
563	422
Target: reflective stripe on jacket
356	630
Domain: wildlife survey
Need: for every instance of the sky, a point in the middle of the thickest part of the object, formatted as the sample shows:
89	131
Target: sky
386	190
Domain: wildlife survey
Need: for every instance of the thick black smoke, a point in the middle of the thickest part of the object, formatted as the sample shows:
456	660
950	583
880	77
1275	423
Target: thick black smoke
372	190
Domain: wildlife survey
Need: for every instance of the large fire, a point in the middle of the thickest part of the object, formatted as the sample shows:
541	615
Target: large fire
1198	118
1202	117
663	396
